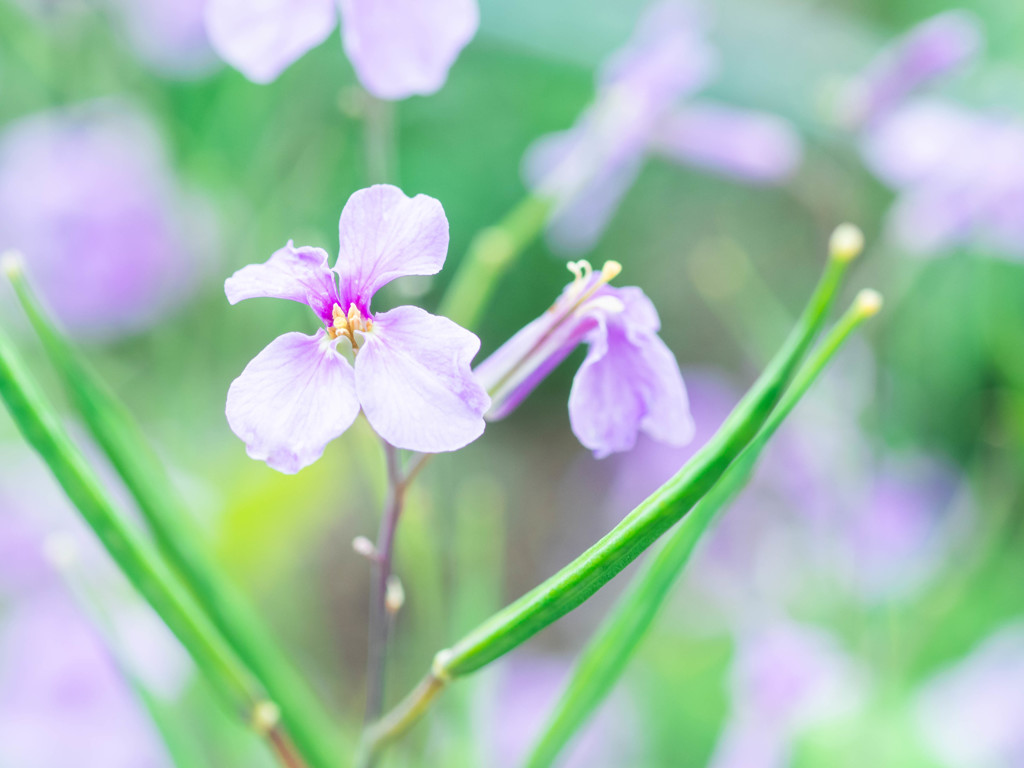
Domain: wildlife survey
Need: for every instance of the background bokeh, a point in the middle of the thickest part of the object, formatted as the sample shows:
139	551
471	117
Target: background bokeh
862	602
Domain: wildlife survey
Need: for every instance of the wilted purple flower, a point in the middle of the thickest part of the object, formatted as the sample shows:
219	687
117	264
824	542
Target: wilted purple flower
960	178
933	49
86	195
587	169
785	677
972	714
628	383
62	699
398	47
411	372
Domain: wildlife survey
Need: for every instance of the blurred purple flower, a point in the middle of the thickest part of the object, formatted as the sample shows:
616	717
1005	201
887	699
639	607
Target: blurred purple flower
972	714
589	168
62	699
628	383
87	196
933	49
168	35
526	693
398	47
959	175
411	372
897	534
785	677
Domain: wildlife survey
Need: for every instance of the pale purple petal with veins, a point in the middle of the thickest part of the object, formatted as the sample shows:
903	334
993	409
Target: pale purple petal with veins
415	383
933	49
404	47
261	38
754	147
386	235
292	399
297	274
630	382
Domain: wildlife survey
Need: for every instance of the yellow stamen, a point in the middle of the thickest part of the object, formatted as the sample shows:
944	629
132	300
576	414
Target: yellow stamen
348	325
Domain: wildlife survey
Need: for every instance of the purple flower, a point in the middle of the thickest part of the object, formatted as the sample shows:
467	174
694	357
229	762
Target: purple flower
934	49
87	196
959	175
410	372
785	678
398	47
526	691
590	167
972	714
62	696
168	35
628	383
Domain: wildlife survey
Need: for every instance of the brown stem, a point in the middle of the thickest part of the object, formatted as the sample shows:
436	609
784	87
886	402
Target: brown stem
283	749
380	619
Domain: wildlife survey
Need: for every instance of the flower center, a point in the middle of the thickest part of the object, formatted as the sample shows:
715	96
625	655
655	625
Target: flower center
585	285
348	325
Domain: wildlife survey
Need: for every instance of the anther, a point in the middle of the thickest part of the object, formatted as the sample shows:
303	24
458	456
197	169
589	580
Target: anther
610	271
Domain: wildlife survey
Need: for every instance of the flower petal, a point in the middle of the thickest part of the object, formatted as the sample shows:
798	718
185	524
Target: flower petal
934	49
295	396
262	38
297	274
587	180
385	235
629	381
754	147
415	384
405	47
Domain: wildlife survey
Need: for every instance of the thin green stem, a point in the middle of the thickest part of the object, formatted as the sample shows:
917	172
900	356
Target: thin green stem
380	616
379	135
606	656
491	253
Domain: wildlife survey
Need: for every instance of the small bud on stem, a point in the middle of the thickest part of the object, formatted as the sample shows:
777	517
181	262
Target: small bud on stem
868	302
265	717
363	546
10	263
394	597
846	243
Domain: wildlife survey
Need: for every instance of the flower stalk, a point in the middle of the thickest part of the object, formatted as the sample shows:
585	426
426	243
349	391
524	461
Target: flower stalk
491	253
381	618
575	583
